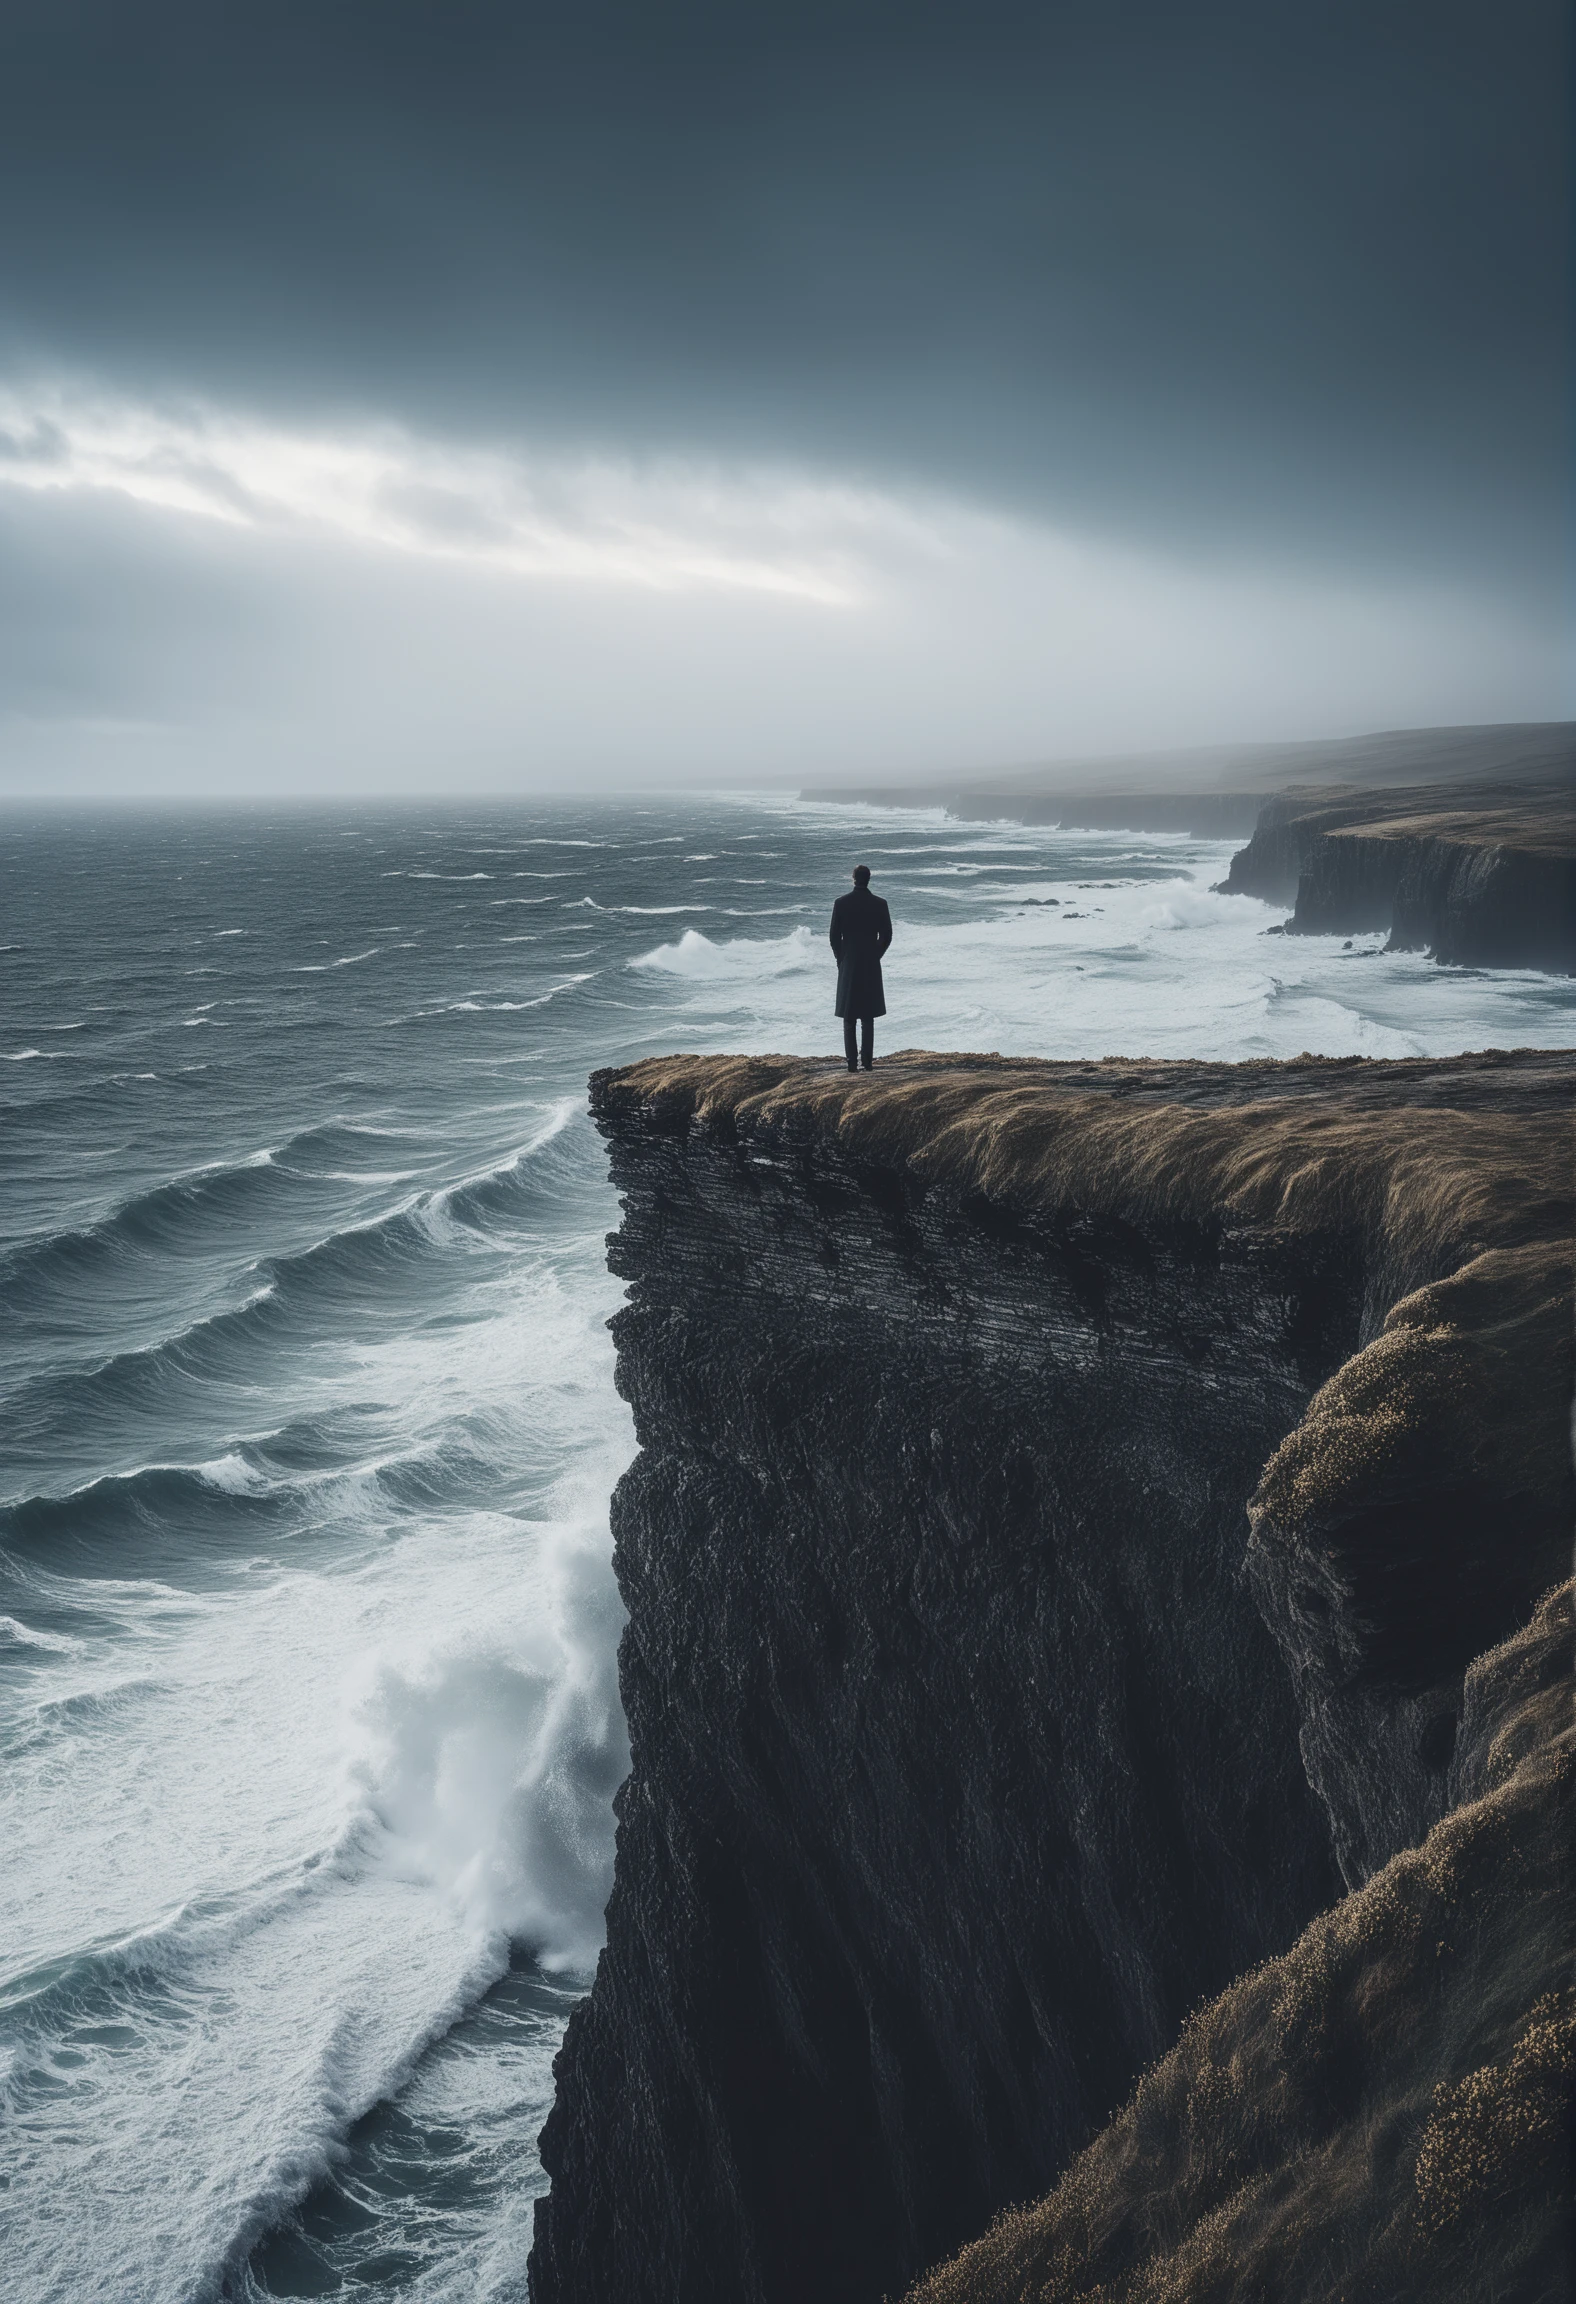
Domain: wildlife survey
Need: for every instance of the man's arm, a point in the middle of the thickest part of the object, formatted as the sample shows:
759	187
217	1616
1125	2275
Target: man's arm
884	929
837	929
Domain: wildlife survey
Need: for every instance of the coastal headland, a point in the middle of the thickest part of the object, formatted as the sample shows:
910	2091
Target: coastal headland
1460	842
1481	875
1088	1569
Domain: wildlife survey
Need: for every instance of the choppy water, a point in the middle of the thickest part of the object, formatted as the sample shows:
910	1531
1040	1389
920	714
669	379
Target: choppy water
307	1630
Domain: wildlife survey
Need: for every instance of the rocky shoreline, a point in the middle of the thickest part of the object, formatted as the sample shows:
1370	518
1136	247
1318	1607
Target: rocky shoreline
980	1729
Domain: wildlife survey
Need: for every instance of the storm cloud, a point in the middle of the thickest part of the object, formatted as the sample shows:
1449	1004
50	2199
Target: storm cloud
782	311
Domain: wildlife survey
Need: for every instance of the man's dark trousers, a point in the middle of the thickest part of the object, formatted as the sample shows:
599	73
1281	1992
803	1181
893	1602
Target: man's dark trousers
867	1034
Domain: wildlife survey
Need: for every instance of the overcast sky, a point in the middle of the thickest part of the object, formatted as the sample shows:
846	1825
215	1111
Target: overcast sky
420	397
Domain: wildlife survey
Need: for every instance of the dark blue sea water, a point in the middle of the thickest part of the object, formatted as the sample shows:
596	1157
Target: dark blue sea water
307	1629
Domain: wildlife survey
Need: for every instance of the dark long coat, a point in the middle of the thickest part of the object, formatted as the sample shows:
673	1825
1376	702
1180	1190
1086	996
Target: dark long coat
861	932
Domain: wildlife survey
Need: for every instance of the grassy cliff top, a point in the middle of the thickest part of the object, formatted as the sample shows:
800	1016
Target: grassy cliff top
1533	819
1453	1177
1426	1157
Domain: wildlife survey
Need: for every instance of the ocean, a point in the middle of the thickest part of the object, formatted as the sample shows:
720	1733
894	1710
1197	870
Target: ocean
308	1632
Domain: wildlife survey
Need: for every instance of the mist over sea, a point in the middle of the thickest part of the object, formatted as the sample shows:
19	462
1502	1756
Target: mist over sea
308	1630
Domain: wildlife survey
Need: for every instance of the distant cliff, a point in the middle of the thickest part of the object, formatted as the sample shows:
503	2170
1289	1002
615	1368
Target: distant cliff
1216	791
1483	877
978	1735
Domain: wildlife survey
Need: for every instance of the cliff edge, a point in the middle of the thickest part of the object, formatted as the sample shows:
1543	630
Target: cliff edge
1070	1501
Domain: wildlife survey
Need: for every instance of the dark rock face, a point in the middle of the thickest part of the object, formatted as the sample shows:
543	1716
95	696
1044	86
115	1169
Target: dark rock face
962	1762
1386	1562
1379	1685
1271	865
1348	885
1482	879
1386	2112
1493	907
975	1739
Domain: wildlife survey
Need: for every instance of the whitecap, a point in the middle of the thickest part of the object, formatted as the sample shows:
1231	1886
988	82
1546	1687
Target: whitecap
322	967
493	1007
232	1475
1191	904
367	1176
22	1635
514	1007
695	955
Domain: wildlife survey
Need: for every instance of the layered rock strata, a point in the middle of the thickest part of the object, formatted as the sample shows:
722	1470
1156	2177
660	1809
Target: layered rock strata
974	1742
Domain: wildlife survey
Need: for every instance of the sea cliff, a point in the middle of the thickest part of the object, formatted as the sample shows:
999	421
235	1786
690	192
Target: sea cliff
1484	878
1049	1586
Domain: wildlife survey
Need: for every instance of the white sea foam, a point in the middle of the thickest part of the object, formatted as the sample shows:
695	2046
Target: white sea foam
489	1769
27	1636
451	1794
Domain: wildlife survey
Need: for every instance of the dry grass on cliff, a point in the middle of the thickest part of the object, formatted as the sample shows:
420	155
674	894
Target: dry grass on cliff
1544	825
1129	1139
1467	1386
1382	2114
1464	1219
1535	818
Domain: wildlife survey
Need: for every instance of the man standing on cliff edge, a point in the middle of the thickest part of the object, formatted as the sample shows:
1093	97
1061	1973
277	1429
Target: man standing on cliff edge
861	932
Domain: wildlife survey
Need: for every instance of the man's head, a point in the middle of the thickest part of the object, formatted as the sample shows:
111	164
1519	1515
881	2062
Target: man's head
861	875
